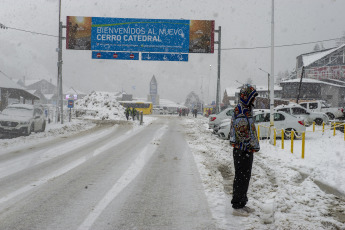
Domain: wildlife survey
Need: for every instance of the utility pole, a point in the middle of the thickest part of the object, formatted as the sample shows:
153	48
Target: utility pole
219	31
59	64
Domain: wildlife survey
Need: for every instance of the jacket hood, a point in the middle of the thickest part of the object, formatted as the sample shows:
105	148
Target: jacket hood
247	94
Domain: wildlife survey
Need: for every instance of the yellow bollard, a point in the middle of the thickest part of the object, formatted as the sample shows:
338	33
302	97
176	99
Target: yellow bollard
303	144
283	138
323	127
275	137
292	137
313	126
334	124
258	132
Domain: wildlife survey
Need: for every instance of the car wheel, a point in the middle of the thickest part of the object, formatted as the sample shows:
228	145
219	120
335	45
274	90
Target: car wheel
287	133
331	116
43	126
318	121
29	130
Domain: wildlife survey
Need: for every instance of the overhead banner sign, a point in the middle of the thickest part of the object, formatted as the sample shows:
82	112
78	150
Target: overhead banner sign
163	57
115	55
140	35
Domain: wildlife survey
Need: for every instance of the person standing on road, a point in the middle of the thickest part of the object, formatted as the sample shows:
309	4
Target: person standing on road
134	112
243	138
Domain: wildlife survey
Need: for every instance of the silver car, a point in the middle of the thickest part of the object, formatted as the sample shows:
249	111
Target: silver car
215	119
22	119
282	121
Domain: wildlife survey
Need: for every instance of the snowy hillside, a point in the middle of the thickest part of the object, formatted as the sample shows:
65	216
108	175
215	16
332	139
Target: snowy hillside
100	106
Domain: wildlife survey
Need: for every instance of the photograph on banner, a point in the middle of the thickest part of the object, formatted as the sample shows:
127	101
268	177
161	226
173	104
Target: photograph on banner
78	33
201	36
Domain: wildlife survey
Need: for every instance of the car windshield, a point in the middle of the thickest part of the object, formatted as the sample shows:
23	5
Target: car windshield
18	112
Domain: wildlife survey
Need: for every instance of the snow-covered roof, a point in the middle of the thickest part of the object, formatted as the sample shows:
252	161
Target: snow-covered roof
31	81
313	57
308	80
73	91
49	96
264	88
168	103
232	90
5	82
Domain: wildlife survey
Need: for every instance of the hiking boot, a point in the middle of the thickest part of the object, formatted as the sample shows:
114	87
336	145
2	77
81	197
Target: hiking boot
240	212
249	210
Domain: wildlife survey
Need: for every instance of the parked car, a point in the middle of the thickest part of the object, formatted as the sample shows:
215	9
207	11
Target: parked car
22	119
282	120
224	129
322	106
301	112
216	119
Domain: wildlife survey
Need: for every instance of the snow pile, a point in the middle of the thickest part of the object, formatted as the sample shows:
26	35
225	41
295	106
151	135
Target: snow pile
286	191
52	131
100	106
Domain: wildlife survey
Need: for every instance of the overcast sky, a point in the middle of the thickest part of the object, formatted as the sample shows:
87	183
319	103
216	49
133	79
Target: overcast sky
245	23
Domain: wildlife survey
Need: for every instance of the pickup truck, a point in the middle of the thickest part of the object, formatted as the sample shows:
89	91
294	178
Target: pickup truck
321	106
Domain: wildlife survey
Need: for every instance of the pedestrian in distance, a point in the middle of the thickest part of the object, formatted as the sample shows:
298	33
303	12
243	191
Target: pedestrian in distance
127	112
244	139
134	113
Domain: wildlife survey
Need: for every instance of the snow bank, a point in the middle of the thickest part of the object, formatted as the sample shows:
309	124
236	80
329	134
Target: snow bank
100	106
52	131
286	191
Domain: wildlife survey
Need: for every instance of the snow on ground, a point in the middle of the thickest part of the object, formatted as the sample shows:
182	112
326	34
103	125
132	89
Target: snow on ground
52	131
97	106
101	106
286	191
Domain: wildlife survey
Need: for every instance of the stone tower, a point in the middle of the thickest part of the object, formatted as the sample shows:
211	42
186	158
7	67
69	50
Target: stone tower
153	96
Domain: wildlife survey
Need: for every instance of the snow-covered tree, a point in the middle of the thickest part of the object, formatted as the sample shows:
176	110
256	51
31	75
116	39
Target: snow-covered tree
193	100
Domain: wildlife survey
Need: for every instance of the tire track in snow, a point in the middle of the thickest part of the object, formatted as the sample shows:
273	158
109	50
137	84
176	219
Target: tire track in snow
127	177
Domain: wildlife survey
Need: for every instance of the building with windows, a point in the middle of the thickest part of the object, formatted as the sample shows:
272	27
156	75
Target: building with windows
323	77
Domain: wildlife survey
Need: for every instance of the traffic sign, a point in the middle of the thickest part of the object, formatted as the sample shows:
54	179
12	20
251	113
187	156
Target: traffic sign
164	57
115	55
70	104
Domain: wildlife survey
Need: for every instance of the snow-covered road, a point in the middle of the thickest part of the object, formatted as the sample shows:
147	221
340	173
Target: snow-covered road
117	177
170	173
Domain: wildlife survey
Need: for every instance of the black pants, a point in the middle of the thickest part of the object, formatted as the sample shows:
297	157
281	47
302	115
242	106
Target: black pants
243	162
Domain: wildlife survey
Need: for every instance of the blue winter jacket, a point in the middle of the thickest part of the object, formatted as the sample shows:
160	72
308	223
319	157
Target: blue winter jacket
243	134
